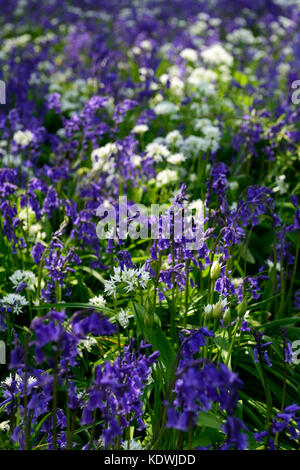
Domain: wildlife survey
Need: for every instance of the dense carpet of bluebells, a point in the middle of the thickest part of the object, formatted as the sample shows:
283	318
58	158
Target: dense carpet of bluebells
147	342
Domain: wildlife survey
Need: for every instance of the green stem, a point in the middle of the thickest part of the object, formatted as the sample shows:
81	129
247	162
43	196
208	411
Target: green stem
186	292
116	314
54	412
269	411
283	398
232	342
289	296
190	433
26	417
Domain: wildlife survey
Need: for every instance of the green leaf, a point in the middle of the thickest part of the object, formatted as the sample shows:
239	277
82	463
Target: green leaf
74	305
94	273
38	427
247	255
241	78
281	322
155	335
222	343
209	420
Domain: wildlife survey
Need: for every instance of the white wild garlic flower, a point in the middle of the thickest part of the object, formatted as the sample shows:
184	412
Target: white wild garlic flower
15	302
131	277
23	138
23	277
98	301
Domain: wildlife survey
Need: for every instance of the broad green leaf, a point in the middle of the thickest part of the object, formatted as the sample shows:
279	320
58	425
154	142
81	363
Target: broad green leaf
209	420
247	255
155	335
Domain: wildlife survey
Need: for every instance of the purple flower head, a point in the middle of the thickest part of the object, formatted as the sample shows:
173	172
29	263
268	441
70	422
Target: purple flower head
50	203
260	349
235	439
37	252
54	102
294	200
116	392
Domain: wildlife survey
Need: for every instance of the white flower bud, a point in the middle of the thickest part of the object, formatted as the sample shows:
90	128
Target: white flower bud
215	270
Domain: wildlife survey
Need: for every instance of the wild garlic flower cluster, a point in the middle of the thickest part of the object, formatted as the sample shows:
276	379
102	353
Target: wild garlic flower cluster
215	310
217	55
157	151
101	157
98	301
31	227
23	138
14	303
129	278
24	279
165	177
18	380
123	317
4	426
